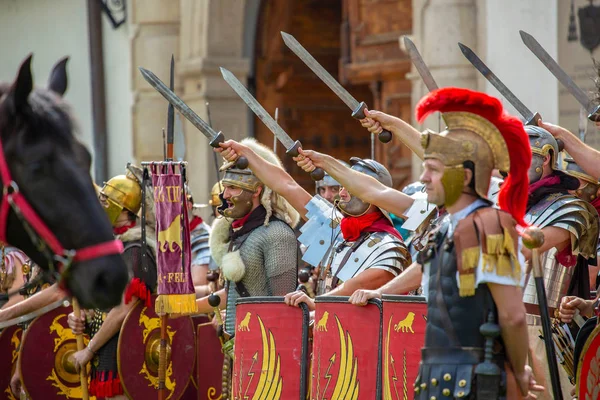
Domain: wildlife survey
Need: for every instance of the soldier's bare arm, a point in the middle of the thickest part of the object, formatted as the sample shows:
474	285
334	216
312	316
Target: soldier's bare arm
585	156
365	187
377	121
407	281
205	308
369	279
513	325
553	237
271	175
35	302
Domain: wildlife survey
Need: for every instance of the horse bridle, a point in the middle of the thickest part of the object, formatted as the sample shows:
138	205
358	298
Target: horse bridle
41	236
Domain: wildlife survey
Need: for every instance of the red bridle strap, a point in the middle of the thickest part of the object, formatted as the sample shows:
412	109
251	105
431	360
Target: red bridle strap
11	196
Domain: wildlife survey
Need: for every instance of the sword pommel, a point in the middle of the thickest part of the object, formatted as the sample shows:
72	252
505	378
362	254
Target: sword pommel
359	113
533	238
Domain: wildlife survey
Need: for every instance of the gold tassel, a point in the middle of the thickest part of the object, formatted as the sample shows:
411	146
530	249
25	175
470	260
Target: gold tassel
467	285
494	244
489	262
509	244
470	258
504	267
183	304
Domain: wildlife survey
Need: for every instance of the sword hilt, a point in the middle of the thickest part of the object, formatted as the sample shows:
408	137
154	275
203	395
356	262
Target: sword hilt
595	114
384	136
317	174
533	121
241	162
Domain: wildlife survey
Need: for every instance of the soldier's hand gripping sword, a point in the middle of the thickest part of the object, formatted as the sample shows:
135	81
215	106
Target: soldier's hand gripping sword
358	108
592	109
214	137
530	117
290	145
533	238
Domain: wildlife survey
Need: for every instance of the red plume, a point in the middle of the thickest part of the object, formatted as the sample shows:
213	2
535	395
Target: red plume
514	191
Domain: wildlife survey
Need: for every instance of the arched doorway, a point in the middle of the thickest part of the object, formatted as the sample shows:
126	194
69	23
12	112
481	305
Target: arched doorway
308	110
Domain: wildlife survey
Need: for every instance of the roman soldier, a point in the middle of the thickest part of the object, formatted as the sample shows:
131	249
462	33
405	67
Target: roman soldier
364	252
122	198
472	268
570	227
254	242
587	191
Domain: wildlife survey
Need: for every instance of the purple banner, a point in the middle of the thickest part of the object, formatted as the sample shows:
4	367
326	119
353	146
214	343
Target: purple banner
173	242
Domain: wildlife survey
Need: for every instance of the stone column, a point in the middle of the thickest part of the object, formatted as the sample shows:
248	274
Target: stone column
155	38
438	26
211	37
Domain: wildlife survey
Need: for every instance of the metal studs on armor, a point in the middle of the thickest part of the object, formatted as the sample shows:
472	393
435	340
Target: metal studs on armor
462	383
434	381
423	386
446	392
432	398
460	394
447	377
417	389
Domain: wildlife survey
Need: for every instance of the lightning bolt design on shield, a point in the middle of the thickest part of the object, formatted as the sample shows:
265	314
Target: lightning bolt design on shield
328	375
270	382
250	375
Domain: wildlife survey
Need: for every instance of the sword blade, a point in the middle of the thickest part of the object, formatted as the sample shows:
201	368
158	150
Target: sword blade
255	106
558	72
314	65
420	65
497	83
179	104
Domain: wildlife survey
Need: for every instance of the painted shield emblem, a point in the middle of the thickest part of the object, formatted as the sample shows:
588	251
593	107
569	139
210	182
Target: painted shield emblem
47	371
10	340
271	343
588	371
589	26
404	320
138	353
346	350
209	375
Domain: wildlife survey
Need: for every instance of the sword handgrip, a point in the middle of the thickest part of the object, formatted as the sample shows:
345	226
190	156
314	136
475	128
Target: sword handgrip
79	338
595	115
533	121
384	136
317	174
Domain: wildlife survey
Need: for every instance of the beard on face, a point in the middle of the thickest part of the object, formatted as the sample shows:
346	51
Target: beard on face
238	206
353	207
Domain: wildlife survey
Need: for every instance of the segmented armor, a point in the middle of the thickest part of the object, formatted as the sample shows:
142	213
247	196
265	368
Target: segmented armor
199	244
580	218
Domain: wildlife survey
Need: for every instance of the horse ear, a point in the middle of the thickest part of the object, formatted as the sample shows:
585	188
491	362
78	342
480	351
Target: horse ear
57	82
23	85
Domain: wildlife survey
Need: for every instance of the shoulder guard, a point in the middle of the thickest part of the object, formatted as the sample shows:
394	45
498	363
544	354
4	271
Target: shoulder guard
320	232
381	250
568	212
199	246
486	238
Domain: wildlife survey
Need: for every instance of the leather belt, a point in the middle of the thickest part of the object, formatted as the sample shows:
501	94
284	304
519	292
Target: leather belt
534	309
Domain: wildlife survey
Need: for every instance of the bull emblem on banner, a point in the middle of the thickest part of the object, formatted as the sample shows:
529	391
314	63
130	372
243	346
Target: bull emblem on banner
168	238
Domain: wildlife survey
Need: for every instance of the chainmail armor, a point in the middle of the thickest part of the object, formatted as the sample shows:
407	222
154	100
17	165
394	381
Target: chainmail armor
270	255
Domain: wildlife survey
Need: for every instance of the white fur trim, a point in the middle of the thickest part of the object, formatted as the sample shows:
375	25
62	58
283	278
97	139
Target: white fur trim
219	239
233	266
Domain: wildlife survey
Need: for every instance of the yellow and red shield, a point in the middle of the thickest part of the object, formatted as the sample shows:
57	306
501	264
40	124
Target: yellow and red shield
47	370
138	353
404	320
588	371
346	350
209	373
271	343
10	340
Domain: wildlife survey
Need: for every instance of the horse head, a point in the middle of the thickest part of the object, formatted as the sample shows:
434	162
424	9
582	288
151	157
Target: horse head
49	168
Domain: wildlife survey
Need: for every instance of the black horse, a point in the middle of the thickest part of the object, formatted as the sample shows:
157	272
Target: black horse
50	168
